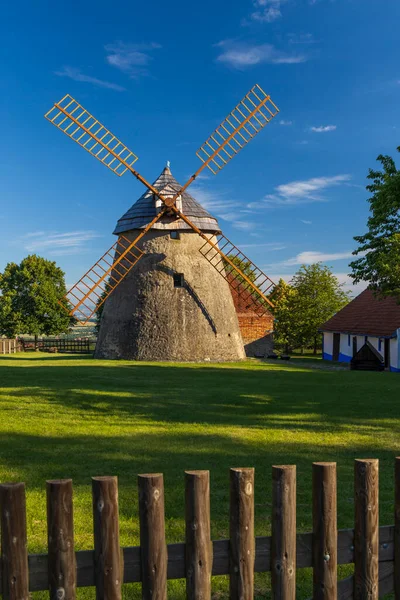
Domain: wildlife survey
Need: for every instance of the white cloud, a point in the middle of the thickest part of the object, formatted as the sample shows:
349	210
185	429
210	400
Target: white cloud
132	59
77	75
299	192
287	123
240	55
267	11
221	206
349	285
310	257
323	128
309	187
302	38
306	222
58	244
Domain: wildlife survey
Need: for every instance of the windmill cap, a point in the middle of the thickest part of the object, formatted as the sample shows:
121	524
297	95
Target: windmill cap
143	211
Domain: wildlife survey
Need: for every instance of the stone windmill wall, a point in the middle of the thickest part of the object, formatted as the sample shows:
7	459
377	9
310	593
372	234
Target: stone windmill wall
173	305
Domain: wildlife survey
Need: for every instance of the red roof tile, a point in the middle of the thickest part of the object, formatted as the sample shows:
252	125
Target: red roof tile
366	315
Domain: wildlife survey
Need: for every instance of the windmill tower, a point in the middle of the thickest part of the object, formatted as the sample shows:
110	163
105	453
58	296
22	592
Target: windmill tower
164	284
173	305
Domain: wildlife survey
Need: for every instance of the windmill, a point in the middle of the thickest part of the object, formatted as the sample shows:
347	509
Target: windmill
134	279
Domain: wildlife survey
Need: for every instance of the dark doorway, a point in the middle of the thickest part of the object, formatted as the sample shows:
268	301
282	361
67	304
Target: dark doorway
336	346
354	346
387	353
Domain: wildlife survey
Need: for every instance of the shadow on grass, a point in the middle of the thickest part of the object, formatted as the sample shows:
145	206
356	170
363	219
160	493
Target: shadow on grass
124	418
255	396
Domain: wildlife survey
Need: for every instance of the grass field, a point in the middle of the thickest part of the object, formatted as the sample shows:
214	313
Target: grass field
70	416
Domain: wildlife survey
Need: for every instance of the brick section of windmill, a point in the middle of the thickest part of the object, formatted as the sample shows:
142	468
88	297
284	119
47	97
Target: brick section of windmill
257	332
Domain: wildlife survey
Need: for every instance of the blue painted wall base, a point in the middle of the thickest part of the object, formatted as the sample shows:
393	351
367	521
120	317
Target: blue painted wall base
344	358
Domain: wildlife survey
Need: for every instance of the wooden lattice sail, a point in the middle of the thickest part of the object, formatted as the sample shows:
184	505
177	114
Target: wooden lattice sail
242	124
249	282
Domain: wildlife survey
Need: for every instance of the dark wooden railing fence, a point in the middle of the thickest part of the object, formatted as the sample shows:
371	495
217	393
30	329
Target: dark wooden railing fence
63	345
374	550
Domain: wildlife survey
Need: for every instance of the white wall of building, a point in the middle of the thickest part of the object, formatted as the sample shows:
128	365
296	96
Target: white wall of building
346	347
327	347
395	353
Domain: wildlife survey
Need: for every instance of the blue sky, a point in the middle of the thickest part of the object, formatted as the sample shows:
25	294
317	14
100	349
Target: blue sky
161	76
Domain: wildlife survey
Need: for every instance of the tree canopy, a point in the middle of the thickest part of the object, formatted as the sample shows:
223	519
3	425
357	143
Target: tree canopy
379	249
29	298
313	296
285	324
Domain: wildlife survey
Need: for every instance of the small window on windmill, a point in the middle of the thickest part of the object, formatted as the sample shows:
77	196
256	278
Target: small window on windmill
179	280
158	203
178	203
175	235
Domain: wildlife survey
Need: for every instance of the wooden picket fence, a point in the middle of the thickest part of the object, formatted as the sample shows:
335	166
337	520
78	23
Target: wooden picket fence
9	346
374	551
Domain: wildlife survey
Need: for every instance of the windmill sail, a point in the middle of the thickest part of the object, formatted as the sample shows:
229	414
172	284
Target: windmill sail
249	282
247	119
93	289
82	127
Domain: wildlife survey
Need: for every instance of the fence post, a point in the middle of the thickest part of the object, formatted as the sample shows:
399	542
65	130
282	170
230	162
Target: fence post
366	533
152	537
108	563
283	542
241	528
198	549
60	539
324	531
14	554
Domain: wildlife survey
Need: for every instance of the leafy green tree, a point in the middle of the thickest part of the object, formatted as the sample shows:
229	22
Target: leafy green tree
285	325
379	249
29	298
318	296
244	265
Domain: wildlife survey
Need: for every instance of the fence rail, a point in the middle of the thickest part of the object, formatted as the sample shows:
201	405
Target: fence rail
374	550
63	345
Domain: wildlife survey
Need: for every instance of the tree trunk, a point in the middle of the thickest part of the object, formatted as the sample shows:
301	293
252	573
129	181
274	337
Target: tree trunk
302	350
36	343
315	345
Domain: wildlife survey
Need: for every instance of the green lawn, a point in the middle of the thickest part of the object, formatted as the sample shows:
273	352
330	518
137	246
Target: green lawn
71	416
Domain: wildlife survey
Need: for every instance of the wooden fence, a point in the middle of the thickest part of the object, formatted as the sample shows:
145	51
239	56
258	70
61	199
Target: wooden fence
374	551
63	345
9	346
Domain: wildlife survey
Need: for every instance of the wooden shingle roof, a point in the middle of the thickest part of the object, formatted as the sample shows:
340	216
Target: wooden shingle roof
144	210
367	314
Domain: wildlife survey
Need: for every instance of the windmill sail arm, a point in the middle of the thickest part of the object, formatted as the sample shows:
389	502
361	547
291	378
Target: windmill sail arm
85	298
250	283
83	128
245	121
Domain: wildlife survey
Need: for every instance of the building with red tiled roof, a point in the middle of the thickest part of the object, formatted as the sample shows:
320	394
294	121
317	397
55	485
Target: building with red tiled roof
366	318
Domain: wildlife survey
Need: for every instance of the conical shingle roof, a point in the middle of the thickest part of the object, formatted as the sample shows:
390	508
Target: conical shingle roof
144	210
